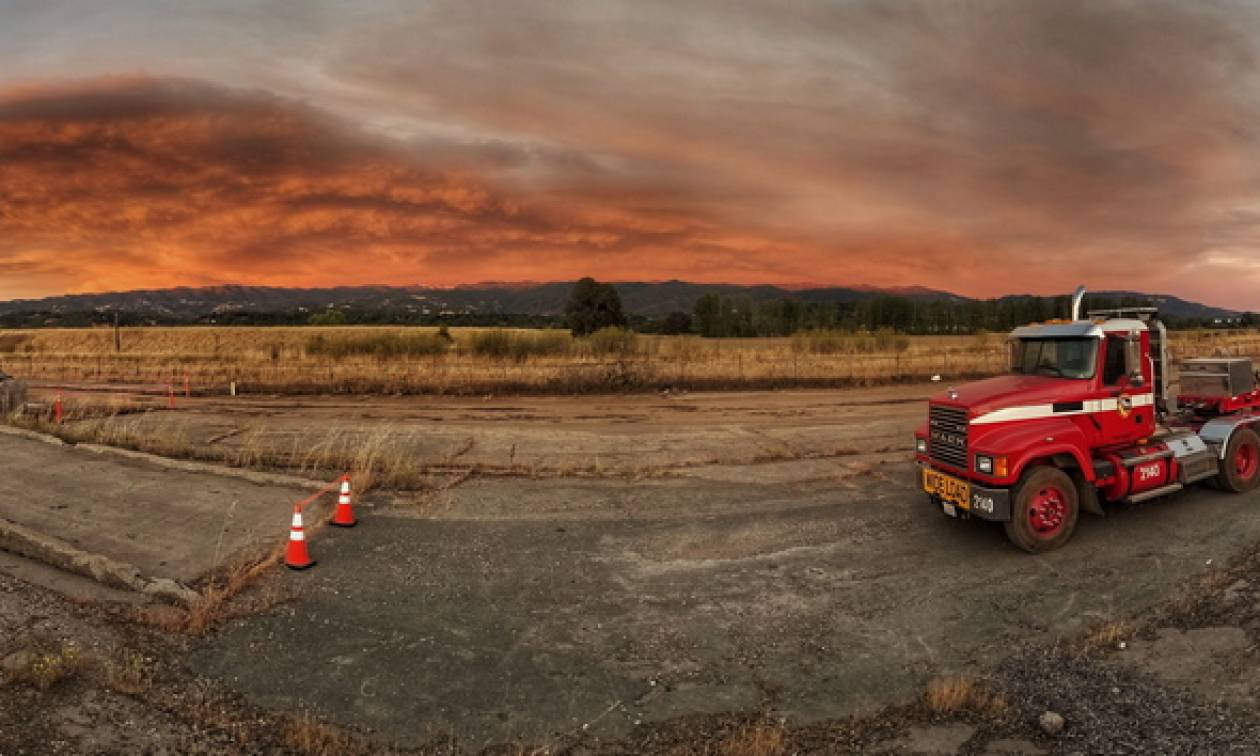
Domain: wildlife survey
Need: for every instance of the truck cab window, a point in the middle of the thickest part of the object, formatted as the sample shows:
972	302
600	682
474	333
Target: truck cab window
1071	357
1114	367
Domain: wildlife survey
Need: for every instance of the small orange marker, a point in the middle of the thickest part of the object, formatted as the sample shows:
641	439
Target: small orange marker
296	556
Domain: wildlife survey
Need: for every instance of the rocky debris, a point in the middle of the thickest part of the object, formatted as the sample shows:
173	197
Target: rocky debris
1236	590
16	662
1082	690
1051	722
170	591
1011	747
1204	659
935	739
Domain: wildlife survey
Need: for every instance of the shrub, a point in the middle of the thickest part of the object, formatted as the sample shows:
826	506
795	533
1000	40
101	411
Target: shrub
502	344
379	345
328	318
611	341
831	341
823	341
44	668
676	323
9	342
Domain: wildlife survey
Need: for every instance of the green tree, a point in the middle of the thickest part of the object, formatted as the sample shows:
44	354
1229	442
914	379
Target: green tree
592	306
708	311
676	323
328	318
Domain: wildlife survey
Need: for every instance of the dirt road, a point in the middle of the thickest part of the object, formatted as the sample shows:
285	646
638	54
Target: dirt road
822	587
729	552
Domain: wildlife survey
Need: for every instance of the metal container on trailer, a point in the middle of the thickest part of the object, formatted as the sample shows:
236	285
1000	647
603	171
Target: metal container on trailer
1217	377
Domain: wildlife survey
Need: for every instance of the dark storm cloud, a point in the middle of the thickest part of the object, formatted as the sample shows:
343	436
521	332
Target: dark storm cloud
1113	134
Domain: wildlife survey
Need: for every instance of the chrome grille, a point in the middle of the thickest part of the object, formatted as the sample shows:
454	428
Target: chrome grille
947	435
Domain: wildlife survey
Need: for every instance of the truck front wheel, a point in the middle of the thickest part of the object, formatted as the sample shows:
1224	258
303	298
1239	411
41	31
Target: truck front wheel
1043	510
1240	469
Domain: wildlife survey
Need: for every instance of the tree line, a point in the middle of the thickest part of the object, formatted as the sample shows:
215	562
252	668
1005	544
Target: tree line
722	316
593	306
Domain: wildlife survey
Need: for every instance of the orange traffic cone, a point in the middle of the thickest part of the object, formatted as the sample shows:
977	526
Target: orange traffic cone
343	516
296	557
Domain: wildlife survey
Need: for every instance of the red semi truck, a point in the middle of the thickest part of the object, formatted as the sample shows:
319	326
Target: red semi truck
1084	418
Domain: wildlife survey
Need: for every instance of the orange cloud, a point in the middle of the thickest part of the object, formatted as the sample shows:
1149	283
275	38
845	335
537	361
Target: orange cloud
142	182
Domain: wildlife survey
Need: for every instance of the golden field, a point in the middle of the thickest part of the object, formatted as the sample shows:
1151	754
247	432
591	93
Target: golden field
410	360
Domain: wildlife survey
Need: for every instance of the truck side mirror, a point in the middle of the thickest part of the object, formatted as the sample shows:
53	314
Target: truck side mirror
1133	358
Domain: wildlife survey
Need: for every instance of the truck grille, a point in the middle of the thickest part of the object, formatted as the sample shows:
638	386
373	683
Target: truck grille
947	435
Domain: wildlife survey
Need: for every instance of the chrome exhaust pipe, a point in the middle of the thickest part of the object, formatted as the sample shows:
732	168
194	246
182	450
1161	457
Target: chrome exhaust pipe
1076	302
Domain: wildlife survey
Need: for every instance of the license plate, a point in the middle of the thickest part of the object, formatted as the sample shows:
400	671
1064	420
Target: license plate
947	488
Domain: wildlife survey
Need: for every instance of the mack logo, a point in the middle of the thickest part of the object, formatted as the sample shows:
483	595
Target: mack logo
947	426
949	439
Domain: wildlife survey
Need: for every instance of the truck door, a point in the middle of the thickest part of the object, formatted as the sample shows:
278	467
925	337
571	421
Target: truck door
1126	413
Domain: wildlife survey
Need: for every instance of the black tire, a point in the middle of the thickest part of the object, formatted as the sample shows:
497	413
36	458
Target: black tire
1043	496
1234	476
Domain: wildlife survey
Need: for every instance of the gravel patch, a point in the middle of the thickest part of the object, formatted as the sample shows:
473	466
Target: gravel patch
1109	708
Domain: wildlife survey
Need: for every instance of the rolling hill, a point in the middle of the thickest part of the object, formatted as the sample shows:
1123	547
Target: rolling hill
651	299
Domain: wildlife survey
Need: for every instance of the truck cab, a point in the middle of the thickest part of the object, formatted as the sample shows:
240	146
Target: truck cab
1083	417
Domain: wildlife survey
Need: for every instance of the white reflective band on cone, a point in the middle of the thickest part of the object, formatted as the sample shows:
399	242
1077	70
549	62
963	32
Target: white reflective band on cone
297	535
345	488
297	519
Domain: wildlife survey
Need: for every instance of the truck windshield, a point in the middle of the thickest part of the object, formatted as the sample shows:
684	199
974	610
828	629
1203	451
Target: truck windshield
1060	358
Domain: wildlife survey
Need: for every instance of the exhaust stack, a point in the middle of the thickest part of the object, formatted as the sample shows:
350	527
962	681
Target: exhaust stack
1076	302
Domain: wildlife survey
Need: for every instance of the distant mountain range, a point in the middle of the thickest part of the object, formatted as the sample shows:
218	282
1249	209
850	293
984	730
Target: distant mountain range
541	299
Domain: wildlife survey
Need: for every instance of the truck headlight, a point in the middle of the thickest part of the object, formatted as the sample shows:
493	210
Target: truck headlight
984	464
920	445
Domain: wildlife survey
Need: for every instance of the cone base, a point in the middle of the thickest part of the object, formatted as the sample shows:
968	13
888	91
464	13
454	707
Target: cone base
350	524
295	567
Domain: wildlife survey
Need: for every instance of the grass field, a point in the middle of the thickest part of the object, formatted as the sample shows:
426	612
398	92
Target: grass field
402	360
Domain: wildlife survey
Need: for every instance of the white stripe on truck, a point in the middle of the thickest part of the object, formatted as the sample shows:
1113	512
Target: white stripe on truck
1036	411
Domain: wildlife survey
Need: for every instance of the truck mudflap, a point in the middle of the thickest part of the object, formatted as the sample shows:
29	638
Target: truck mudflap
982	503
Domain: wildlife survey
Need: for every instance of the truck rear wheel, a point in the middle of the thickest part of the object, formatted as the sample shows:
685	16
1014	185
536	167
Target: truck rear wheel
1044	510
1240	469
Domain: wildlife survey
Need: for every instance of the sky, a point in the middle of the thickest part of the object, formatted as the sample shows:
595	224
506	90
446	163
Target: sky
980	147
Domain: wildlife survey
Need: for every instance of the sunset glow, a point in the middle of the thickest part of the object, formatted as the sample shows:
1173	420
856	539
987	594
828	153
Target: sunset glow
981	149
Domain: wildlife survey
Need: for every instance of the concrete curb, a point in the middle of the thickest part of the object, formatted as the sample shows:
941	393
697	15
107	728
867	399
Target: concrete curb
186	465
53	551
183	465
11	430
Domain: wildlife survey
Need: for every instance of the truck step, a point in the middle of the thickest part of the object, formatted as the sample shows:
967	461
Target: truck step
1153	493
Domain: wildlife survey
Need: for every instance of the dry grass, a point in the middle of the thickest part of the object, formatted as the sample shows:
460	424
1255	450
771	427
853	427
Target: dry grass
308	736
392	359
1198	594
128	672
378	458
763	738
953	695
1107	636
214	603
478	361
46	667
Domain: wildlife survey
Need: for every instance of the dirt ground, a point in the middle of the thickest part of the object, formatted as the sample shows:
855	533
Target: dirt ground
612	571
